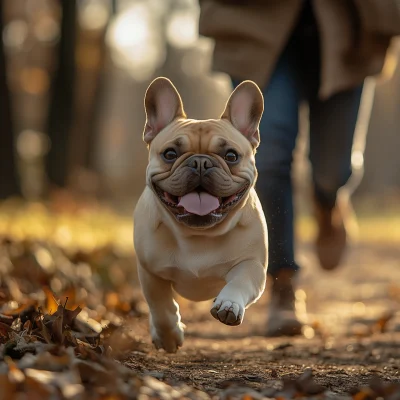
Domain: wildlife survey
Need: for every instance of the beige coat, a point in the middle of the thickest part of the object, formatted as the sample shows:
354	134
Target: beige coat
250	35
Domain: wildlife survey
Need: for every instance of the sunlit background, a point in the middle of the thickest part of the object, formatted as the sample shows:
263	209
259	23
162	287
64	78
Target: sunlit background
77	71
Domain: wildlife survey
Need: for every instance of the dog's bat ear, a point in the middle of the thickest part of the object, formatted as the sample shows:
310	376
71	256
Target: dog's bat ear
163	105
244	110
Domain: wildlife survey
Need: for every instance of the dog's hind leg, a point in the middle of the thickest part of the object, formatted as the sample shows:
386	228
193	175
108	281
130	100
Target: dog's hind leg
245	283
166	327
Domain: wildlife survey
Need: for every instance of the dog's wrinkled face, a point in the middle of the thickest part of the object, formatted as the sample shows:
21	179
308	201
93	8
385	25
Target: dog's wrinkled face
201	170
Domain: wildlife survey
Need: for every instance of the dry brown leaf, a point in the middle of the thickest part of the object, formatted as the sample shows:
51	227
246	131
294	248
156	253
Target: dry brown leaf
70	315
68	382
15	375
51	302
26	307
57	329
28	326
43	329
6	319
55	363
381	324
16	324
8	388
364	394
5	329
95	374
36	390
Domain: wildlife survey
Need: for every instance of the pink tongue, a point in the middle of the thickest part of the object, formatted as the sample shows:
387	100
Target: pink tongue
199	203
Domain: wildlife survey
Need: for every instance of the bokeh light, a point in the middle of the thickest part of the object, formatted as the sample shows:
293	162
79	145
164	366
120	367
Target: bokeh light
182	28
32	144
34	80
136	43
93	15
46	29
15	34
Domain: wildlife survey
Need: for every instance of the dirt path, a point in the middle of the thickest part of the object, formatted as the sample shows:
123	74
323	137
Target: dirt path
352	334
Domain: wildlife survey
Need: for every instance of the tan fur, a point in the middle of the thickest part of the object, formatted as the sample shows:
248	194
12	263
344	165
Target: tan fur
227	261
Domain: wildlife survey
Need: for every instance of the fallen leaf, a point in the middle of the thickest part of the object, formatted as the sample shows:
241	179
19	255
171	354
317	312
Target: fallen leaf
8	388
68	382
51	302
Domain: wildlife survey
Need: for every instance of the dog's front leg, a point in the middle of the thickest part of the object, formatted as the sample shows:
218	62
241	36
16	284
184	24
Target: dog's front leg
166	327
245	284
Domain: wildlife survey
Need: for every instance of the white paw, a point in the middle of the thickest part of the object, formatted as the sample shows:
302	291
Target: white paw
166	337
228	312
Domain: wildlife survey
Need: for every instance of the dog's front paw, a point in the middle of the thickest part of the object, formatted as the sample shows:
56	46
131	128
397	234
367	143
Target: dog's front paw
167	337
228	312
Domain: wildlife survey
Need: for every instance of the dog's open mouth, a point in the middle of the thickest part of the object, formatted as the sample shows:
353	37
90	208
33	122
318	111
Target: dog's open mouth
200	202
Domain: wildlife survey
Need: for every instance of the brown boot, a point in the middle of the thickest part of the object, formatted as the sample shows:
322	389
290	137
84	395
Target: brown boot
335	226
282	318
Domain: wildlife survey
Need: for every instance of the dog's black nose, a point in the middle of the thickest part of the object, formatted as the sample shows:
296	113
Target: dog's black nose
200	163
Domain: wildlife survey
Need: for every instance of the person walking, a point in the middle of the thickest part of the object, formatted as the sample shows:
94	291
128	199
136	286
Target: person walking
318	51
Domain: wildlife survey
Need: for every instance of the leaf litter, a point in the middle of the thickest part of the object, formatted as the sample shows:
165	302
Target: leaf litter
67	320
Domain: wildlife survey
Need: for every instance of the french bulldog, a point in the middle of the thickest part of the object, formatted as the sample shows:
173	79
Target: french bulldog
199	228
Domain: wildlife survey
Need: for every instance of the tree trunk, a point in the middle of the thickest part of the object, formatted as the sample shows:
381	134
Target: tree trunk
8	167
62	96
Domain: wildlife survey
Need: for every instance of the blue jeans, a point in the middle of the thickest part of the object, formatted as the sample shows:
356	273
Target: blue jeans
332	125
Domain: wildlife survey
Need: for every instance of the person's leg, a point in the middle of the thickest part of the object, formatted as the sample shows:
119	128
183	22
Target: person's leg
332	127
278	130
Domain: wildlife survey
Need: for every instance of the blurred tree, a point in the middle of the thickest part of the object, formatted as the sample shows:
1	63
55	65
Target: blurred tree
90	83
99	75
9	185
62	97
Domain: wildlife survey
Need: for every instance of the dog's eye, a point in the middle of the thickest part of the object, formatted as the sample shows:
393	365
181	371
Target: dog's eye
231	156
170	155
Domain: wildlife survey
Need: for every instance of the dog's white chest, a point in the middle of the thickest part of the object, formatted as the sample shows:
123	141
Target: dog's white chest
196	275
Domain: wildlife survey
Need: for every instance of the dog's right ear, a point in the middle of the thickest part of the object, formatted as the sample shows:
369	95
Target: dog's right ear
163	105
244	110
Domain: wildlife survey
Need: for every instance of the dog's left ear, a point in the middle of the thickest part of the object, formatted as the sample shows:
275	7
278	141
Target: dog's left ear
244	110
163	104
